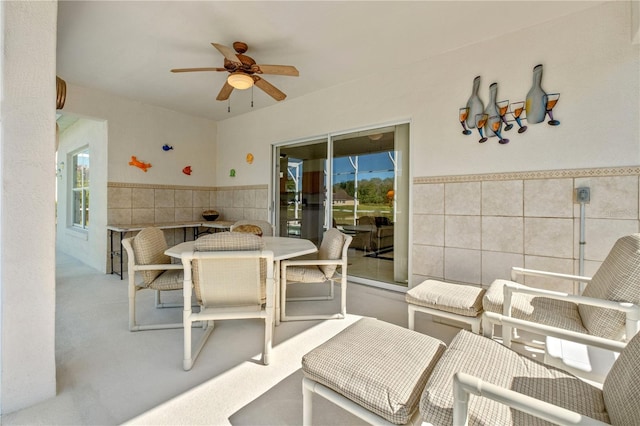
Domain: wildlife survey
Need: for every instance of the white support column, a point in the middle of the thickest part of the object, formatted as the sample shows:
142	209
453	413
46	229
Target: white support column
27	202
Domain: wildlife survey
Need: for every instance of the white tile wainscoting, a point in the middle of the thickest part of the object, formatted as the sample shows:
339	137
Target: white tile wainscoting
473	228
130	203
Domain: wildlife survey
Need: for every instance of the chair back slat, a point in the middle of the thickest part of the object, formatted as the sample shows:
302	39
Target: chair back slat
149	246
331	248
229	281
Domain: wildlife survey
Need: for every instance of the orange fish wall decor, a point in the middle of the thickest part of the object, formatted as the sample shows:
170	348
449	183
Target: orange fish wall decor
187	170
139	164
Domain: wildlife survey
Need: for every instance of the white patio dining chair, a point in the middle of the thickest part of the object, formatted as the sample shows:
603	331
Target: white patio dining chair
331	255
267	228
232	278
146	258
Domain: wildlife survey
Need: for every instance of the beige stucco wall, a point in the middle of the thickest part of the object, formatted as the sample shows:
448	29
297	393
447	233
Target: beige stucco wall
27	227
588	58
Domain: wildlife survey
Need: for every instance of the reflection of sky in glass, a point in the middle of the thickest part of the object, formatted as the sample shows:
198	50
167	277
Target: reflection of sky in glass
370	166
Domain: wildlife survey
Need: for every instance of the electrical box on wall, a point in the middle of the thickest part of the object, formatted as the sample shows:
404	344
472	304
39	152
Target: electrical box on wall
583	195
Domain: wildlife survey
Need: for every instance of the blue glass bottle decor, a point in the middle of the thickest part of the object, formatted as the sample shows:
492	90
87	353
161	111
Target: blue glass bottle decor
536	98
474	104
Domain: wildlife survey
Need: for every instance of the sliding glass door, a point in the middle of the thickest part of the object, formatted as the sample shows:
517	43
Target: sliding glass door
367	173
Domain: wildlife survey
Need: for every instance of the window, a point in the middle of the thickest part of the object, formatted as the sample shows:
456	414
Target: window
80	189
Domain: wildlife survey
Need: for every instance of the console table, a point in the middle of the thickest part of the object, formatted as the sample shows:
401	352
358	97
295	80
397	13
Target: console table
122	230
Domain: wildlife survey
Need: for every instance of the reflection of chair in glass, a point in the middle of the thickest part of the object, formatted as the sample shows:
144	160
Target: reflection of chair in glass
145	254
267	228
232	278
332	253
385	374
607	309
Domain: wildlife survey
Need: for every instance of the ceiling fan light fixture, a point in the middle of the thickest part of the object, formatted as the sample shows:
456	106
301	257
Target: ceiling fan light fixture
240	80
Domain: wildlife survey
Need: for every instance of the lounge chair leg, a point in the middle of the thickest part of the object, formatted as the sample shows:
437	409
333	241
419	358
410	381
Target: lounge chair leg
412	317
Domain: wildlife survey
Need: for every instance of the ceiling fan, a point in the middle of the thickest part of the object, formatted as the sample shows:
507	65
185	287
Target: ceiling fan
244	72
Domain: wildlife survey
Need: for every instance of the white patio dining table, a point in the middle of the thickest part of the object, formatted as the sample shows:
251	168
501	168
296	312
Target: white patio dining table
282	248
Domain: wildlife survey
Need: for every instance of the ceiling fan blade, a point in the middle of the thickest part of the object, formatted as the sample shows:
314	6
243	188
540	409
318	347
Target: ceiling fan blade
197	69
268	88
225	92
278	70
227	52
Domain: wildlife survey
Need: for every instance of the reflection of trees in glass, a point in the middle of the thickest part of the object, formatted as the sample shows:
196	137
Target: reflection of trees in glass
370	191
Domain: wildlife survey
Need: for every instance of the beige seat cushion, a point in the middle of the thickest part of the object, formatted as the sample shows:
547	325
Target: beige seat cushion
463	300
171	279
149	246
618	278
331	249
305	274
542	310
249	229
380	366
490	361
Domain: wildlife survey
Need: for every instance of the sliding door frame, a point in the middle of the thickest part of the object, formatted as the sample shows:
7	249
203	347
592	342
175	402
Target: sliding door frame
329	138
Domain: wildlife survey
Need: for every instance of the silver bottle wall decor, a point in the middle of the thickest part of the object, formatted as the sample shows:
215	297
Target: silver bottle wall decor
535	104
492	111
474	104
489	121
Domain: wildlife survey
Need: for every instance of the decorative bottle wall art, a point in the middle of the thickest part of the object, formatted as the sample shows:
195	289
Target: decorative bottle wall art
489	121
474	104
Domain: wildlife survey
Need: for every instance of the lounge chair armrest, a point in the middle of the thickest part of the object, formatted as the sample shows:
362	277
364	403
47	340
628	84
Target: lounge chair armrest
465	384
510	288
515	271
561	333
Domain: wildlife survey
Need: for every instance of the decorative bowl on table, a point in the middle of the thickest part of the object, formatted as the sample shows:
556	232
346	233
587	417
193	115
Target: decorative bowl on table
210	215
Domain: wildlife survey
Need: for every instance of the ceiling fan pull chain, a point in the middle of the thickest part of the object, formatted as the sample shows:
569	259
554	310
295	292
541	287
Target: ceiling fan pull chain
229	105
251	96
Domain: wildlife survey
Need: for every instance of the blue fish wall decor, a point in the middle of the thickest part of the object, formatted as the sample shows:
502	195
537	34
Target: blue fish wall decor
167	147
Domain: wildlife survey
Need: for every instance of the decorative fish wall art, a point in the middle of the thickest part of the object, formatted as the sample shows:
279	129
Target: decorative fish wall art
166	147
139	164
187	170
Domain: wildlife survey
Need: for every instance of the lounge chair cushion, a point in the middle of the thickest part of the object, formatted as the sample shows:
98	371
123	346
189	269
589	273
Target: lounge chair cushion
618	278
542	310
622	386
468	353
380	366
149	246
463	300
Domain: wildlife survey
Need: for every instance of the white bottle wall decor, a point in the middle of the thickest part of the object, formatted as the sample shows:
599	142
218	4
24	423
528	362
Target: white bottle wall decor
535	105
474	104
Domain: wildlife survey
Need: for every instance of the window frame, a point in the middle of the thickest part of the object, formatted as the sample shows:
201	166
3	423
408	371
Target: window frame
83	188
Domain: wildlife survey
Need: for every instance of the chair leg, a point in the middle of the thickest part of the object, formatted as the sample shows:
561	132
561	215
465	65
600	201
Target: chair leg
307	403
268	338
411	317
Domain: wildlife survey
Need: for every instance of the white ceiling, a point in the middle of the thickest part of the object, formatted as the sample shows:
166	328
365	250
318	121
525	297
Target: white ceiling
128	47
